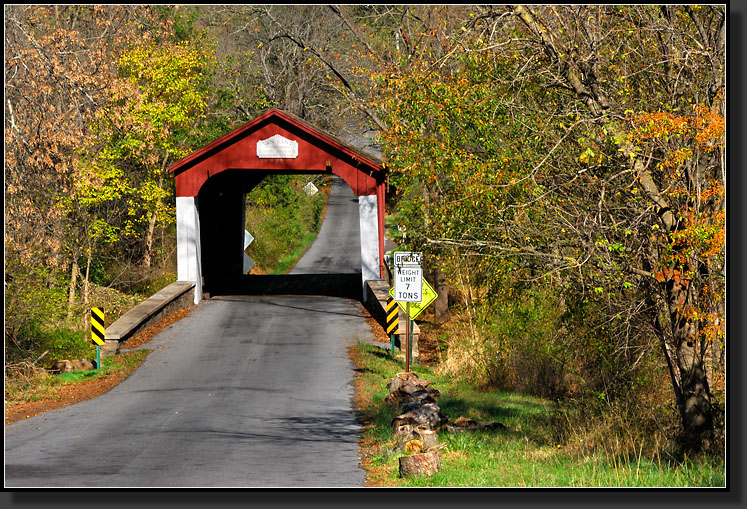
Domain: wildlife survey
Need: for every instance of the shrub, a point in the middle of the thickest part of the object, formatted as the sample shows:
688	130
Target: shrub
64	343
512	345
34	297
601	366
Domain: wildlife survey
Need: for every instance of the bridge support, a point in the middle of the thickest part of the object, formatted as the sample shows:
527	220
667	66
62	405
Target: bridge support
189	266
369	227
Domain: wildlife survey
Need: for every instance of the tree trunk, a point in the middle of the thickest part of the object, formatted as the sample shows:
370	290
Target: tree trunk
73	284
695	407
690	375
427	463
89	254
441	304
148	258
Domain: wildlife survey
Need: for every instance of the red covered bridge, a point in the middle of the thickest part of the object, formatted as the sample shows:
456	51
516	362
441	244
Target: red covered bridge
212	182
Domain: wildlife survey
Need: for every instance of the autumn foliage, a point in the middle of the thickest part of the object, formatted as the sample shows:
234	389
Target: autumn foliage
562	167
574	149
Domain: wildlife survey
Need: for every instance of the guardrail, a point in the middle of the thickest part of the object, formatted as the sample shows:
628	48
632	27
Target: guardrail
175	296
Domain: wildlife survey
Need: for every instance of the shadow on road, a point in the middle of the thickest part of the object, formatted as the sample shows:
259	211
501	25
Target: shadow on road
329	285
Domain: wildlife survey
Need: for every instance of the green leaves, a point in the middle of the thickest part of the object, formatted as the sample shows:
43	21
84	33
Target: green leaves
586	156
170	87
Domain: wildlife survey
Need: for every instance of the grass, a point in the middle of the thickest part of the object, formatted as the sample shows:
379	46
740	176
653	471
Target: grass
122	363
392	230
30	390
525	454
288	261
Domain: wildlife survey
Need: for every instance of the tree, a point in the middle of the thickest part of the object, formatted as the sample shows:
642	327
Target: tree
585	143
683	195
58	62
154	106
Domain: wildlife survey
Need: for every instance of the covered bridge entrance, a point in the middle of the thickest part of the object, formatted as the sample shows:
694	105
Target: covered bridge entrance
211	184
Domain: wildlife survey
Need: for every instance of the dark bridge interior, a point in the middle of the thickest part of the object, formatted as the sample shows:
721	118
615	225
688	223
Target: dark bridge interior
221	203
330	285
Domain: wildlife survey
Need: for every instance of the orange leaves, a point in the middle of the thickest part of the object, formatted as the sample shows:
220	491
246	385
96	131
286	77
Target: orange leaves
711	325
705	129
682	142
715	188
655	125
677	276
709	128
678	157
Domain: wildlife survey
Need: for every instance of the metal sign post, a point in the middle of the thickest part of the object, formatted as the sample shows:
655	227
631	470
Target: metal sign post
408	338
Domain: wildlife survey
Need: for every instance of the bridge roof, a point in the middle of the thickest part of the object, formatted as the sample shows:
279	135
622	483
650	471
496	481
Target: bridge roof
317	152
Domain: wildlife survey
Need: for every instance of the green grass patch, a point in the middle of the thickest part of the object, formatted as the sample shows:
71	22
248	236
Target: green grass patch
109	365
288	261
525	454
391	225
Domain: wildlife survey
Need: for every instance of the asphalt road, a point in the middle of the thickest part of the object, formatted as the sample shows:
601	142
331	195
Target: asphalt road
337	248
247	391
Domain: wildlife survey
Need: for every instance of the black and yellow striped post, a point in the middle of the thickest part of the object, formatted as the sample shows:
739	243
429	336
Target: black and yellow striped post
98	332
392	320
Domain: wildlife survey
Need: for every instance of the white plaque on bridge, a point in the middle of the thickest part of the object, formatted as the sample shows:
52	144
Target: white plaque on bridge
277	147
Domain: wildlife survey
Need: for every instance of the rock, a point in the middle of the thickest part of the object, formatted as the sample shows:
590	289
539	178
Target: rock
428	415
406	388
63	366
406	433
110	348
82	365
67	366
414	427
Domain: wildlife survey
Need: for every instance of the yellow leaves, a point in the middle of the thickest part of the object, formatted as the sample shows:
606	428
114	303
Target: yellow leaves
586	156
